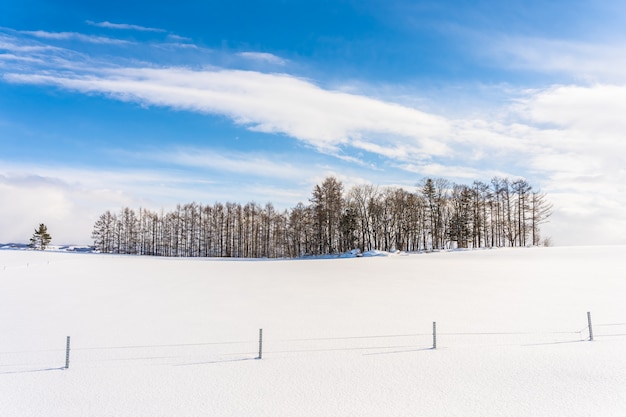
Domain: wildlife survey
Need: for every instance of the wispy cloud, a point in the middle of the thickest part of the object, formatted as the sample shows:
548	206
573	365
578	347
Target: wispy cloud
464	173
178	38
75	36
256	164
8	44
271	103
177	45
124	26
13	57
582	60
263	57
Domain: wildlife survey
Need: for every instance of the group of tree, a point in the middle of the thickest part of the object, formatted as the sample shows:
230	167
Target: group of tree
438	215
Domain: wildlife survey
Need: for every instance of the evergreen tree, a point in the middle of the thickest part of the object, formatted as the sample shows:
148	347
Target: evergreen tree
41	238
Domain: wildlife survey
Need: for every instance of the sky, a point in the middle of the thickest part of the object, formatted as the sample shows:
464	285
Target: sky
105	105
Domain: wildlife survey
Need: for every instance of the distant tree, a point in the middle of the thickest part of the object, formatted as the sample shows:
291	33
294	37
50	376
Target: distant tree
348	226
103	232
41	238
540	210
361	198
522	189
435	194
460	228
480	220
437	215
327	205
299	231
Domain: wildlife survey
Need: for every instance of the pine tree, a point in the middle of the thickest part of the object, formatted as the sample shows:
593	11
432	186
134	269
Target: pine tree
41	238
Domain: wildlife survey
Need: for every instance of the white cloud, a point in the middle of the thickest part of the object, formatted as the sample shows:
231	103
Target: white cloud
238	163
75	36
580	157
581	128
178	38
263	57
271	103
595	109
68	210
586	218
124	26
450	171
8	44
70	200
13	57
585	60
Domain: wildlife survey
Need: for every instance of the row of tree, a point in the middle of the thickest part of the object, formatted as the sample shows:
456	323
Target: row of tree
439	215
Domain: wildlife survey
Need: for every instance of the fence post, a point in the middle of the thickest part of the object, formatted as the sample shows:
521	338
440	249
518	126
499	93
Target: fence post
260	344
589	325
67	353
434	335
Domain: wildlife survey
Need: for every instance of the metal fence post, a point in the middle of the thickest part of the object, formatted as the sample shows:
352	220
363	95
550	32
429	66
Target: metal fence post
260	344
434	335
589	324
67	353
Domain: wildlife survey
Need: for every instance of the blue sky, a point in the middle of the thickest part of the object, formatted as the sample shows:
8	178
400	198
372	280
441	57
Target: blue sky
104	105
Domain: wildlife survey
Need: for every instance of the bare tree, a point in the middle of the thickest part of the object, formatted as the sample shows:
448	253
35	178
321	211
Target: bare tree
435	193
460	228
440	213
540	211
522	189
327	201
362	198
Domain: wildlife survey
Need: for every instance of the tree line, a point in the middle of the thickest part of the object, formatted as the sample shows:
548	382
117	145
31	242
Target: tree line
439	215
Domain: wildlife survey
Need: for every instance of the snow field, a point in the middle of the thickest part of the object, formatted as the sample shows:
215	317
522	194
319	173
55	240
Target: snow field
178	337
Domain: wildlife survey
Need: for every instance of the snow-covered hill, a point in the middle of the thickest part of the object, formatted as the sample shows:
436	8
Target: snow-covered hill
56	248
342	337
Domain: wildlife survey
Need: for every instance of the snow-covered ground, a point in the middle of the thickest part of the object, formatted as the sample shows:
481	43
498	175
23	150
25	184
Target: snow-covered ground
342	337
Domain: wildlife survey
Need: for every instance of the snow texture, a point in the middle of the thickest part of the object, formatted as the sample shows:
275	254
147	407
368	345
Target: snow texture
341	337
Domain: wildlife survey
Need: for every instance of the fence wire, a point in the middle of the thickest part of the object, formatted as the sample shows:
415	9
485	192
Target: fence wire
212	352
